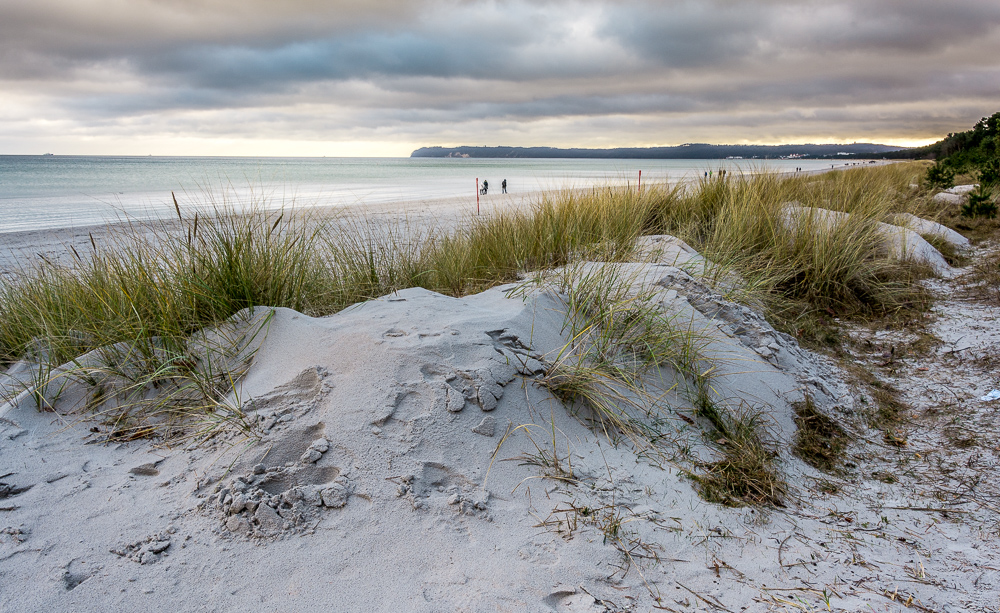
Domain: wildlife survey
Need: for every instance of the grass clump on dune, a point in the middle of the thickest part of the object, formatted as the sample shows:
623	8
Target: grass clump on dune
123	318
819	440
812	270
746	471
367	261
625	352
164	281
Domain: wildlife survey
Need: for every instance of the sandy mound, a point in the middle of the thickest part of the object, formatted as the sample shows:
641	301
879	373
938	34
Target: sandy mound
900	241
955	195
926	227
410	458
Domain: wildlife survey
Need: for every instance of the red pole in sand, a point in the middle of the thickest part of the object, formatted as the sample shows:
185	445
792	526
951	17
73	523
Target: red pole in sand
640	181
477	195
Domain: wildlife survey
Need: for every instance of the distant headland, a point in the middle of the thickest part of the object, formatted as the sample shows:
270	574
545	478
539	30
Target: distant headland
693	151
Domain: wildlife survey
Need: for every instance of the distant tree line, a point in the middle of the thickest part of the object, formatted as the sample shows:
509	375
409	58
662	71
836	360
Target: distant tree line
962	150
973	151
691	151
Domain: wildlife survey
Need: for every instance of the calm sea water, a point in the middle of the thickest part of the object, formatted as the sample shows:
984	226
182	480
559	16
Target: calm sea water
39	192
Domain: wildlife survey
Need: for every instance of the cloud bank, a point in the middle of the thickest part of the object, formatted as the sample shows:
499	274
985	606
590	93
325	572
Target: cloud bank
176	74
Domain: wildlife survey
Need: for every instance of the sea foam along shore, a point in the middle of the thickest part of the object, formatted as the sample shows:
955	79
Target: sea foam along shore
428	452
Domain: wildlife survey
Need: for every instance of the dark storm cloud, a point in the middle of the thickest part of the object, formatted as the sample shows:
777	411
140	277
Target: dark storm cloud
411	62
447	39
911	26
355	57
697	34
692	35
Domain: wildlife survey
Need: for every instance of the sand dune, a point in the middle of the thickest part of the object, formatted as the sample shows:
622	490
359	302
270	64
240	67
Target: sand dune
408	454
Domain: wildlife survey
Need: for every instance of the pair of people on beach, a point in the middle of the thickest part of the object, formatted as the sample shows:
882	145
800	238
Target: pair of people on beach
486	187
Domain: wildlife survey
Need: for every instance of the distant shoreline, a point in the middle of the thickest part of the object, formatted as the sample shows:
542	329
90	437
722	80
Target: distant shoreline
696	151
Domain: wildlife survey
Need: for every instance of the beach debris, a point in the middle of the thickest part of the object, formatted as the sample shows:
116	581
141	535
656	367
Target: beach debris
993	395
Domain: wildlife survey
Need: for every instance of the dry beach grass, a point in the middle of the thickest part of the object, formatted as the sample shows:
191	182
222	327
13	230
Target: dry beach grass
149	291
159	327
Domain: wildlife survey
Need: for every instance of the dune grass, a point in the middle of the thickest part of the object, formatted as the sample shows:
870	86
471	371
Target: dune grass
368	261
173	278
156	284
162	281
625	353
124	319
746	471
984	282
820	441
808	272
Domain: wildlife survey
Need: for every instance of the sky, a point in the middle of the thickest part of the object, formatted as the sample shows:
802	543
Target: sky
384	77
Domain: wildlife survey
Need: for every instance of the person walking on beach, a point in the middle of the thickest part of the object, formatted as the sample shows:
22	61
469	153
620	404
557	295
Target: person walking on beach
486	187
503	186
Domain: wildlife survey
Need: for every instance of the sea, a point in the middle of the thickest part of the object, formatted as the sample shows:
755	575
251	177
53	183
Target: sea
55	191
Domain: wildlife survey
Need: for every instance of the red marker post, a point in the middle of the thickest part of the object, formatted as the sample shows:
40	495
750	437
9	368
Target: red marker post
640	181
477	195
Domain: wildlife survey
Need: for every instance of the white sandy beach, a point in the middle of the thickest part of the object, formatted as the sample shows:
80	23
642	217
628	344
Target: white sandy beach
398	471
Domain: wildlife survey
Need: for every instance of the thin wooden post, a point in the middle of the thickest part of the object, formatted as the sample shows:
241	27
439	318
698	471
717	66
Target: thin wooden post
477	195
640	182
